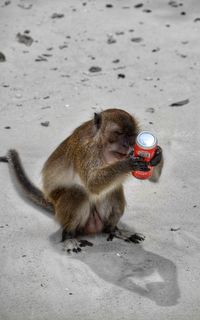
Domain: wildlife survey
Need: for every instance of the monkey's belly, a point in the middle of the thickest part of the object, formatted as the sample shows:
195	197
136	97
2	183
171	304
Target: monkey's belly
94	224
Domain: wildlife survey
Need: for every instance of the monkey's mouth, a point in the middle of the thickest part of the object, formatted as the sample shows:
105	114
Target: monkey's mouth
120	155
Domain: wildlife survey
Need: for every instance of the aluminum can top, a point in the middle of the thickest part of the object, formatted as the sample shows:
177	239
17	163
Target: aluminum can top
146	140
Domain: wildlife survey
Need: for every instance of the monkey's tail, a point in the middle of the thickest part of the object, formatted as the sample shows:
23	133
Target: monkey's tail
29	190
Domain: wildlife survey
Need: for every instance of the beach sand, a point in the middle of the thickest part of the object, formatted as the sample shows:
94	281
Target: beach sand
146	59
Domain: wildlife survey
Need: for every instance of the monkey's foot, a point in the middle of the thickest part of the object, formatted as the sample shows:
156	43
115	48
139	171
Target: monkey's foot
135	238
71	245
75	245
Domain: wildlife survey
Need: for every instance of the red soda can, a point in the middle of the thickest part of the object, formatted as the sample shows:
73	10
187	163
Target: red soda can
145	147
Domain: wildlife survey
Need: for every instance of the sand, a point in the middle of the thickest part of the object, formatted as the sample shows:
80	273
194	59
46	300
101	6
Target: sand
142	61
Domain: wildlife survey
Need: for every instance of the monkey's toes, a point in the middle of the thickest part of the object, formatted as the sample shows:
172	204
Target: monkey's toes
71	245
136	238
85	243
110	237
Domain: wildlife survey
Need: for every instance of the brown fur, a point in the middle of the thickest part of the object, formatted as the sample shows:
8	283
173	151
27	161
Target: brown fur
83	177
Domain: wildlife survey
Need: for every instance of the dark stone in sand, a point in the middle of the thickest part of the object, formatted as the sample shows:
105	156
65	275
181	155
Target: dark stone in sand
57	15
111	39
197	20
137	39
109	5
156	50
40	58
95	69
175	229
175	4
45	123
2	57
6	3
138	5
116	61
147	10
180	103
150	110
23	38
63	46
121	76
7	127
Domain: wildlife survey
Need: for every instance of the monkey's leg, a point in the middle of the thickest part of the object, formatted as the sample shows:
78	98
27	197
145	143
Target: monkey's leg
117	200
72	211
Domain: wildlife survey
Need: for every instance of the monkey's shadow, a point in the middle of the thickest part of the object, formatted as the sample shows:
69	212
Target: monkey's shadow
133	268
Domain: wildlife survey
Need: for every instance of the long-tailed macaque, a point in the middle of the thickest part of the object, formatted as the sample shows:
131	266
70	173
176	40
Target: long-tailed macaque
83	177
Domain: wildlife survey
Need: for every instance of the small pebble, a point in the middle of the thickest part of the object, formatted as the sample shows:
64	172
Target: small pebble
2	57
109	5
137	39
116	61
57	15
95	69
111	39
147	10
156	50
175	229
138	5
150	110
121	75
23	38
180	103
45	123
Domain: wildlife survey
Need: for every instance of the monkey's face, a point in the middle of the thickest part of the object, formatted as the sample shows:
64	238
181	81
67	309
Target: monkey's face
119	139
119	131
119	142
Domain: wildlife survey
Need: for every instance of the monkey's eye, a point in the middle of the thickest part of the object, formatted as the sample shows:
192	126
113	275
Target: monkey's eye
118	133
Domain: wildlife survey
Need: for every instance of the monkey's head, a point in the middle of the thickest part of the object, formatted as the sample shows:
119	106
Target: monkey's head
117	131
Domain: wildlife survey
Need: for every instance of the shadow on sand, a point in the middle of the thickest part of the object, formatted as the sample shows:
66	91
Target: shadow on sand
131	267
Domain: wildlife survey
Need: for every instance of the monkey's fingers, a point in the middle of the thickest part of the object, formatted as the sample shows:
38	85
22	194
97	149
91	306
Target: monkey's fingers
136	238
141	166
138	164
157	157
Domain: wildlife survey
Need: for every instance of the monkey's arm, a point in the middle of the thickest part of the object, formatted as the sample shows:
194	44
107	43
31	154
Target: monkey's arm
103	177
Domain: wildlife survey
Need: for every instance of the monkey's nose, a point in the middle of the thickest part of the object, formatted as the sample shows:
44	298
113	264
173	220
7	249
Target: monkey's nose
126	144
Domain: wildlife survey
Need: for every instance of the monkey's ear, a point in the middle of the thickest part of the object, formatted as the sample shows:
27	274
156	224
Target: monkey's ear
97	120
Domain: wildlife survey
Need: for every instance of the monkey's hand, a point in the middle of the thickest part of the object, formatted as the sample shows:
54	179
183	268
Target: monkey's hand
157	157
138	164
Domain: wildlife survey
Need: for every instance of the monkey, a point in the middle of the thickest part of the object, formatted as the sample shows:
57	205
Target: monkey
82	180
